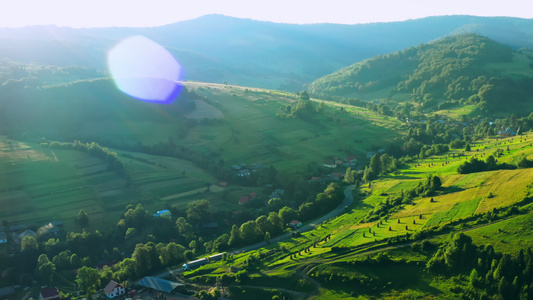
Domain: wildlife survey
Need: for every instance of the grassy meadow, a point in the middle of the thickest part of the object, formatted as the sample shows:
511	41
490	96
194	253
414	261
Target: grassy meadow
253	132
40	185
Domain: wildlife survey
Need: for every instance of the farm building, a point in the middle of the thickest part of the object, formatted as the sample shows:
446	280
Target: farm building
49	293
114	289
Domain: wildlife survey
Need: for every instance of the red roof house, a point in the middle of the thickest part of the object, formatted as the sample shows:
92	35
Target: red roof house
295	224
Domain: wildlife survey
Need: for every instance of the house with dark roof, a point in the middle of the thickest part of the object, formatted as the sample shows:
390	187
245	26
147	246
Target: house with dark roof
49	293
114	289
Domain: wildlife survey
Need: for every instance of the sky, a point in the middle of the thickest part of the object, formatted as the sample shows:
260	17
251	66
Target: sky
148	13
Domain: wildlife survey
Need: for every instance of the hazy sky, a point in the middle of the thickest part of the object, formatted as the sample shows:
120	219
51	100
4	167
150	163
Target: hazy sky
101	13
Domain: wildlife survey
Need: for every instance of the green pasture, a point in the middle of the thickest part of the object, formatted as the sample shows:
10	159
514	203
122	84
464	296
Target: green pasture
507	236
456	113
257	134
40	185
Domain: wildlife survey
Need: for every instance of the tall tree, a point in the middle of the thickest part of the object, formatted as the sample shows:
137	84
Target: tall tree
235	236
304	95
88	279
198	211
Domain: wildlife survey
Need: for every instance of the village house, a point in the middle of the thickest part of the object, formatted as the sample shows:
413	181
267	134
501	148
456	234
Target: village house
350	161
114	289
316	179
506	133
336	176
295	224
49	293
163	214
330	164
3	237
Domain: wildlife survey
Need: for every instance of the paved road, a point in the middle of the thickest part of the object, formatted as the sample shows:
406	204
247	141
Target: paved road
348	199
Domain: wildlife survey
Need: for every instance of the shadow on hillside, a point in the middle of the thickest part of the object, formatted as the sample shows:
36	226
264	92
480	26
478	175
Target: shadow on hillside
451	189
398	177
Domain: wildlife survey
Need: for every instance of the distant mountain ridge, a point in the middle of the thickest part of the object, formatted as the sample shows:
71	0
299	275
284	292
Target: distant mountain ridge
217	48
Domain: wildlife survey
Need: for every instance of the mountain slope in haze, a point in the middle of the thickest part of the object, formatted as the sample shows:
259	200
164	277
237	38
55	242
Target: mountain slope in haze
217	48
460	69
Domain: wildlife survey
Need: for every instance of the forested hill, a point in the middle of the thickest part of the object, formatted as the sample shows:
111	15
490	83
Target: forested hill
217	48
452	71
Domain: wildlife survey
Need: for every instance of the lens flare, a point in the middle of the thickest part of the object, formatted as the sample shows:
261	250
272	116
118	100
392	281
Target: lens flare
145	70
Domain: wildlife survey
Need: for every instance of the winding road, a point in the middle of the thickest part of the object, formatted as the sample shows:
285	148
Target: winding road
348	199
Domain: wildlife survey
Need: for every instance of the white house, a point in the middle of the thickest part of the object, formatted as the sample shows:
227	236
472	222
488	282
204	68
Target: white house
114	289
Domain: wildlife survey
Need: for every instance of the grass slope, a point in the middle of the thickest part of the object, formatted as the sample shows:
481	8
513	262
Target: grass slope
461	196
40	185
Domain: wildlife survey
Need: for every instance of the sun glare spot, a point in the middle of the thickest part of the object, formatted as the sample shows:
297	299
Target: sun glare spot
145	70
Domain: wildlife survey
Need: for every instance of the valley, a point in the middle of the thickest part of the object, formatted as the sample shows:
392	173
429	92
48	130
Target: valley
316	167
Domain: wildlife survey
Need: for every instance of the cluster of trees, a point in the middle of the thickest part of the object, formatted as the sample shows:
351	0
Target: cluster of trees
380	164
303	109
274	223
476	165
94	149
491	273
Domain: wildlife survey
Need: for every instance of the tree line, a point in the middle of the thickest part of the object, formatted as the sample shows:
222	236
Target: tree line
94	149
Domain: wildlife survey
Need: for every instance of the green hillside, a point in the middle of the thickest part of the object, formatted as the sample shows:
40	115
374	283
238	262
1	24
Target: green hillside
450	72
351	258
